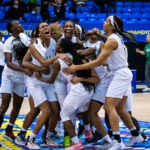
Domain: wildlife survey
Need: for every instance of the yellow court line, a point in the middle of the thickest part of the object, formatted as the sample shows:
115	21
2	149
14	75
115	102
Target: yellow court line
8	144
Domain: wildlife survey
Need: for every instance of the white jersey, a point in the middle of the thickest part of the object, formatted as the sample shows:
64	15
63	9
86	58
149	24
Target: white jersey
46	53
95	45
118	57
63	65
1	54
101	70
60	77
8	48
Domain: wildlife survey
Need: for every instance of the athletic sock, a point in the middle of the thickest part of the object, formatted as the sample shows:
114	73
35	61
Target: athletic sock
23	129
66	134
1	120
75	139
110	133
134	131
49	134
9	127
23	132
116	136
32	136
87	127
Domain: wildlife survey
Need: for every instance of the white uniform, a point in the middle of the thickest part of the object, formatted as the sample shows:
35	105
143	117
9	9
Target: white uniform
1	54
118	65
129	103
61	83
104	75
76	98
42	91
13	81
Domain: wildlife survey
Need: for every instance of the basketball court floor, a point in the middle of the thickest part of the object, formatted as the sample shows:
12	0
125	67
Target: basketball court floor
141	110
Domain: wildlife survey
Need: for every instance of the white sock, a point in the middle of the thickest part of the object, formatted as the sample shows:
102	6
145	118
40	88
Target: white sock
116	133
107	138
75	139
32	136
87	127
23	129
132	129
49	134
10	124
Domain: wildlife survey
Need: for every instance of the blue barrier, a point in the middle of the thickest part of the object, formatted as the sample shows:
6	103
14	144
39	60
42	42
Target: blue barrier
134	80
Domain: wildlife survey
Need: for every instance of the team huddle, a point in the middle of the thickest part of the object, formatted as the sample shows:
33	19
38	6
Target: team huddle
68	71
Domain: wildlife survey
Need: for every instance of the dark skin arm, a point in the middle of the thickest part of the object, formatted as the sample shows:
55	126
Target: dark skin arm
8	57
109	46
87	51
28	64
93	79
56	69
43	61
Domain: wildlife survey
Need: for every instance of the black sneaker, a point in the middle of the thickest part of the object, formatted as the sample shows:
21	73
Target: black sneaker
20	139
80	130
97	137
144	136
9	135
110	133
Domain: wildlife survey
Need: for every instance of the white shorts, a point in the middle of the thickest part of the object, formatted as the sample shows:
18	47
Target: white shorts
129	103
60	86
101	89
120	83
76	98
41	94
12	84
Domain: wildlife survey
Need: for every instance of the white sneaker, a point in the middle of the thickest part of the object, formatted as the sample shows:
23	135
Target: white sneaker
20	139
32	145
114	145
134	140
50	142
146	90
117	146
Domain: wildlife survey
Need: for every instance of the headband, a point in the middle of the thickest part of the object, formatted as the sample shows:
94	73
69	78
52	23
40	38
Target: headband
112	21
80	29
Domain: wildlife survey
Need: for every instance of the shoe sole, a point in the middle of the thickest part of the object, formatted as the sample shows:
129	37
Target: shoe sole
32	148
7	137
19	143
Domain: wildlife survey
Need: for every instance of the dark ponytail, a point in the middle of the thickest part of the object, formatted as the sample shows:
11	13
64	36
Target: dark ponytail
118	27
69	47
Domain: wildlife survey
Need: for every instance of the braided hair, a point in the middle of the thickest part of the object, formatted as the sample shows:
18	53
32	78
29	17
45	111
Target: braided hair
69	47
118	27
20	50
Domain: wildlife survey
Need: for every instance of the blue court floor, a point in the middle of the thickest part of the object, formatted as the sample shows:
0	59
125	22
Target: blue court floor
124	135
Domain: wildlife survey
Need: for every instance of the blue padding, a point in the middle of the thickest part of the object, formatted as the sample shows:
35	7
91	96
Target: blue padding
137	4
128	4
1	8
146	4
134	81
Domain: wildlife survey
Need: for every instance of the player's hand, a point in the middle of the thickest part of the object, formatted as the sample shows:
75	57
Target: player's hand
70	69
34	40
75	80
65	58
38	75
137	50
28	72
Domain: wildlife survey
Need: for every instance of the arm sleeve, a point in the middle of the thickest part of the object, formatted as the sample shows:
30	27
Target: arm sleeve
8	46
24	39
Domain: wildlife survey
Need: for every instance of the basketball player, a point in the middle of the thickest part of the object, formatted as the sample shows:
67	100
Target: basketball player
114	52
